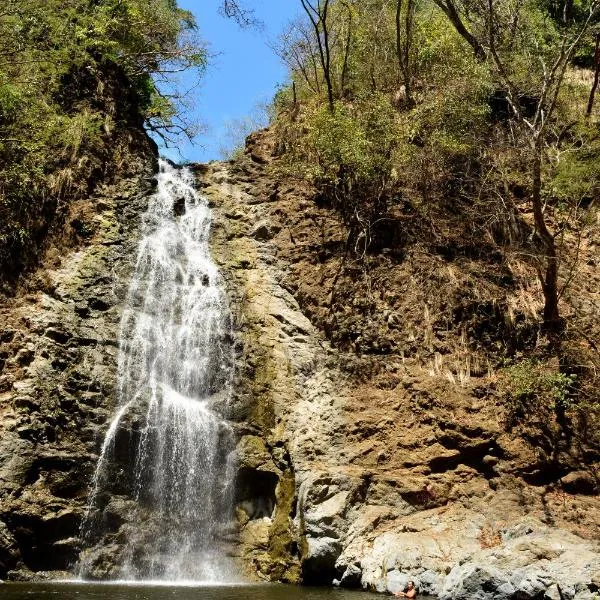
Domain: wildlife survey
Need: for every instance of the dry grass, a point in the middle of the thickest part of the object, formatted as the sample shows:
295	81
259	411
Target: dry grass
527	299
61	181
460	365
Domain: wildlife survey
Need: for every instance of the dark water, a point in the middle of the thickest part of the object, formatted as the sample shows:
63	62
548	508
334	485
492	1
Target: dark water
76	591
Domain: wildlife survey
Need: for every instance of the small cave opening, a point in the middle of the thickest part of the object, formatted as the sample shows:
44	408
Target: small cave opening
255	492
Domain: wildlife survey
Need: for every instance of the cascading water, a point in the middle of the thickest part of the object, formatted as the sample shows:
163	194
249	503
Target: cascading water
175	372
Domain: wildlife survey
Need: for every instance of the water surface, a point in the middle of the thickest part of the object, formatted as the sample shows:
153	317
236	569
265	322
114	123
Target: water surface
84	591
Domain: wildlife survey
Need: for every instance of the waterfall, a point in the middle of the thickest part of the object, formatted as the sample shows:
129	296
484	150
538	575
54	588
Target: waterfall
162	491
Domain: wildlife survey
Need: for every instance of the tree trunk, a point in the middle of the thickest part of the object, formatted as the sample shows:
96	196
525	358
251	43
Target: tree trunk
318	17
327	61
346	51
590	106
450	10
403	51
408	37
549	277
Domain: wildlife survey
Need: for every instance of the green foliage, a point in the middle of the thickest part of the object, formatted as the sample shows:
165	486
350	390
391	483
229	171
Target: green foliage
354	143
576	174
533	388
373	149
456	136
70	70
349	155
465	135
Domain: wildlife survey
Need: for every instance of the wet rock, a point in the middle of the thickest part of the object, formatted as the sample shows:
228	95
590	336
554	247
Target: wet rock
252	453
318	565
26	576
16	459
58	379
256	534
351	577
118	511
9	551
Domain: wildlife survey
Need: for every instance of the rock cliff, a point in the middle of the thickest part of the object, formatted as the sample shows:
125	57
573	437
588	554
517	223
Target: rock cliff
57	371
364	459
360	463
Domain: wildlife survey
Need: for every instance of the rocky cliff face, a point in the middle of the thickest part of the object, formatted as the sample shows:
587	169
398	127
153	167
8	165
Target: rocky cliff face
58	347
359	463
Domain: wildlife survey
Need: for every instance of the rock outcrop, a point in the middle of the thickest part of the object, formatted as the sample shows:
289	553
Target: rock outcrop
371	469
57	373
359	463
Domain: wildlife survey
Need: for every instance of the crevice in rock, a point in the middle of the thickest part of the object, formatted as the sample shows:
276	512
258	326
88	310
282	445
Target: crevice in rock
255	492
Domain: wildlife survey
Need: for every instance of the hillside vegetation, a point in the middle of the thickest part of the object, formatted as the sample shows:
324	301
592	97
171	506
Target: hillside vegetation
454	147
78	79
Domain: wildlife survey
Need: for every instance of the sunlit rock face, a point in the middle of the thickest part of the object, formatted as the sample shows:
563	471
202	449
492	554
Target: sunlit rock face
175	372
384	469
355	464
58	349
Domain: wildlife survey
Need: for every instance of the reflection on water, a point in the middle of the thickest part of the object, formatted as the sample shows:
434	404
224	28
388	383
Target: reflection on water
83	591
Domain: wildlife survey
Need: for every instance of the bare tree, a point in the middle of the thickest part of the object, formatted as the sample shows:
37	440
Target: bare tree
347	47
536	131
403	49
317	13
297	49
234	9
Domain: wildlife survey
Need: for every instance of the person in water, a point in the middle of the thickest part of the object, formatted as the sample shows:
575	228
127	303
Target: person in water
409	592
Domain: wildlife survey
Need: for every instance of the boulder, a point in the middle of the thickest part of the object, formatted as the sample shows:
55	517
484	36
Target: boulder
531	584
264	231
579	482
477	582
252	453
327	517
318	564
553	593
351	577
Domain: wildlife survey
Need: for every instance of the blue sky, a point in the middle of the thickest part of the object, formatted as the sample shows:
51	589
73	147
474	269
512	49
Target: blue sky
243	72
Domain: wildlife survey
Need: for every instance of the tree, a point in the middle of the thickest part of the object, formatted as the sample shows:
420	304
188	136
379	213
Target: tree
317	14
73	74
536	128
347	48
500	25
403	49
298	51
451	10
590	105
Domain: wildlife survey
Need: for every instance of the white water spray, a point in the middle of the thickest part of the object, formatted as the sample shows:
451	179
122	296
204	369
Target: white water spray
175	372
